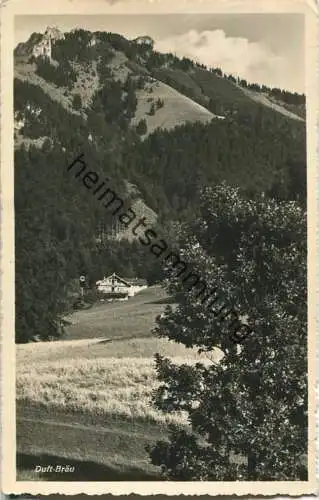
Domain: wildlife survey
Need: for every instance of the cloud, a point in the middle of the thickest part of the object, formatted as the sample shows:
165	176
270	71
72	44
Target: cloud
253	61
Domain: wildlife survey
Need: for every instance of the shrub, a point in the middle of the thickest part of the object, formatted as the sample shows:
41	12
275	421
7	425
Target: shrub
152	109
159	103
141	128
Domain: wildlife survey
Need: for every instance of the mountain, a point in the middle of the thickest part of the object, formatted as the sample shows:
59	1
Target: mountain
104	81
213	91
164	125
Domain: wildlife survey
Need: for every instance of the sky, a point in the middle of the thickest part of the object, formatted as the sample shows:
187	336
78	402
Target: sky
262	48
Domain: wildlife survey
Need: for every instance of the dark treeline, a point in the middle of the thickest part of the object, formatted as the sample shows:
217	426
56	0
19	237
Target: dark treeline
255	151
56	240
61	75
56	218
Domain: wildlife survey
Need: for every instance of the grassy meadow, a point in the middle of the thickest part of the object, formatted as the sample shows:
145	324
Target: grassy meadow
134	318
86	401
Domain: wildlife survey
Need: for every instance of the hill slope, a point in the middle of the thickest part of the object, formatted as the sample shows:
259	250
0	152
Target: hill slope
263	99
176	108
123	59
116	91
107	384
168	126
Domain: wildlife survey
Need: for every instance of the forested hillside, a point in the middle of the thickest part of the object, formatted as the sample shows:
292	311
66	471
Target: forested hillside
86	99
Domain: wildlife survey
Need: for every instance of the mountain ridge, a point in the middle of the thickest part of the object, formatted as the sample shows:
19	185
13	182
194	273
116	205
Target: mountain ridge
164	70
107	84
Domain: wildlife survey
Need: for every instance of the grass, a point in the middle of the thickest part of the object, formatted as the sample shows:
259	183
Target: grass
86	400
94	413
32	354
281	108
134	318
26	71
85	85
177	110
100	448
91	411
114	387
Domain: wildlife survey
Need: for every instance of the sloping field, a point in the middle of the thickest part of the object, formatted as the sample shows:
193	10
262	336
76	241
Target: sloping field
99	448
87	402
177	108
112	387
93	349
141	210
132	318
26	72
86	84
204	84
93	414
262	99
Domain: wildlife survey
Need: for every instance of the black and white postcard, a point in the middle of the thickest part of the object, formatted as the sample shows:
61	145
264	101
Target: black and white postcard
158	247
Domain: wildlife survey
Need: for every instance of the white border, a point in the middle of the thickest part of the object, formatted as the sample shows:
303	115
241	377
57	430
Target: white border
8	10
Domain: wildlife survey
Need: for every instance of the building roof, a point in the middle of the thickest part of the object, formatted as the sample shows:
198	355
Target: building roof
135	281
127	281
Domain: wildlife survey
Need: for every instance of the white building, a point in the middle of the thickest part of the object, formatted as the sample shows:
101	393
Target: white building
114	286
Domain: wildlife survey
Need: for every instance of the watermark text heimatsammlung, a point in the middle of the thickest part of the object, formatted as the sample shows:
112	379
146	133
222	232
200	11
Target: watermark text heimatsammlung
126	216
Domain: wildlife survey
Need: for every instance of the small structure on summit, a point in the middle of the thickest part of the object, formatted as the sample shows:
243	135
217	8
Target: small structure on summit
144	40
115	287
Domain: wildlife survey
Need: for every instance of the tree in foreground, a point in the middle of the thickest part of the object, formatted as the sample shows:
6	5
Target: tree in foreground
247	414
